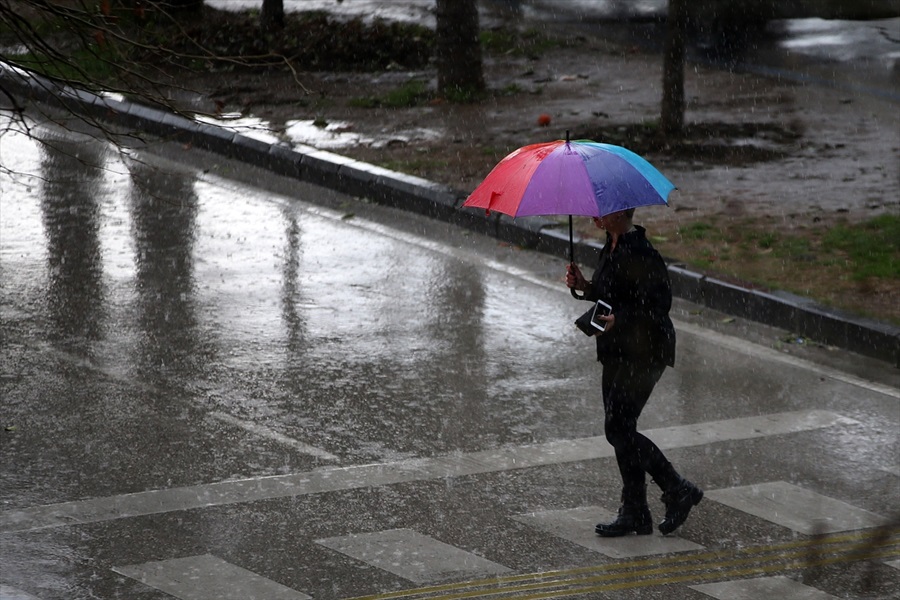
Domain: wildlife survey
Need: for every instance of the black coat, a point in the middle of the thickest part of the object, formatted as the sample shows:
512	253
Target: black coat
633	279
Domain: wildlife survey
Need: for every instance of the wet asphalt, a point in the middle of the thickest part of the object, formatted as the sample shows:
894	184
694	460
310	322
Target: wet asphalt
208	364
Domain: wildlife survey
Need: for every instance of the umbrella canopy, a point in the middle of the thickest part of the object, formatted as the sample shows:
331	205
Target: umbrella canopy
565	177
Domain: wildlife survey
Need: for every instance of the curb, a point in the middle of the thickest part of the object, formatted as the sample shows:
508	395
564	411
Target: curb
783	310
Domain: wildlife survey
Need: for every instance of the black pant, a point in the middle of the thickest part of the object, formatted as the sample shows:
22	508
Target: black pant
626	389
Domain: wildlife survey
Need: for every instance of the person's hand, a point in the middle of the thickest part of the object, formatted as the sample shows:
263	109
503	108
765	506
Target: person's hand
610	320
574	279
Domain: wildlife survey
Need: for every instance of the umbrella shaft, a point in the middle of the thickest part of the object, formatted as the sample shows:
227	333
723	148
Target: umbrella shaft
571	242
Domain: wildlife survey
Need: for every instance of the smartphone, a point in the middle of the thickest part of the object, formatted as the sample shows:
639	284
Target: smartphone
601	309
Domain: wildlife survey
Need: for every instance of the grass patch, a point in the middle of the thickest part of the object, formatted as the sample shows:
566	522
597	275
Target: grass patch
511	89
873	249
697	231
530	43
411	93
847	266
419	166
767	240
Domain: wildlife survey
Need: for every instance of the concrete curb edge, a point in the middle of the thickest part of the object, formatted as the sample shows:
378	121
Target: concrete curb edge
798	315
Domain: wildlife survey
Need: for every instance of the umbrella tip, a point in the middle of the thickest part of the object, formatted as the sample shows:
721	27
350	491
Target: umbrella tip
567	136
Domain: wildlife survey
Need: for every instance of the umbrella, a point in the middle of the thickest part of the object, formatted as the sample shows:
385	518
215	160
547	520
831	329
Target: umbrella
564	177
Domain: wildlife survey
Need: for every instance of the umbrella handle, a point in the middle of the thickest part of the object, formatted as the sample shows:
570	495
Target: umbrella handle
574	292
572	248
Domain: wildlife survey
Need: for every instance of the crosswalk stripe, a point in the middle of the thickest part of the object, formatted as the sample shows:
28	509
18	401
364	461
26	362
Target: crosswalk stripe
7	592
576	525
762	587
330	479
798	509
412	555
207	577
695	568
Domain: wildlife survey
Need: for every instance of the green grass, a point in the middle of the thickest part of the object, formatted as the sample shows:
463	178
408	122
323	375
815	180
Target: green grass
411	93
767	240
464	96
851	266
512	89
793	248
531	42
697	231
82	66
872	248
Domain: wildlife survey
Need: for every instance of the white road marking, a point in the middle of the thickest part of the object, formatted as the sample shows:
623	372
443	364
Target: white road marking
762	587
10	593
265	432
331	479
577	525
413	556
207	577
798	509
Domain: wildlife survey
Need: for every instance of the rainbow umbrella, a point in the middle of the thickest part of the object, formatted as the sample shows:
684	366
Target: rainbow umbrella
564	177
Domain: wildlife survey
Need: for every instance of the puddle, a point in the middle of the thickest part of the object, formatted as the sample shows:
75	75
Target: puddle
252	127
341	135
409	11
331	136
337	134
839	40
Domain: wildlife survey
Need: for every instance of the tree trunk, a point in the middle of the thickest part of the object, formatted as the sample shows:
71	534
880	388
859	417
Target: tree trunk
672	118
458	49
271	16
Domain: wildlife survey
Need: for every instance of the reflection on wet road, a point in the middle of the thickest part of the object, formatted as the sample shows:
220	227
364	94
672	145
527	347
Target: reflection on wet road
275	310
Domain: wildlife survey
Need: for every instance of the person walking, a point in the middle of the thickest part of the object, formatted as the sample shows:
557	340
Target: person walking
636	346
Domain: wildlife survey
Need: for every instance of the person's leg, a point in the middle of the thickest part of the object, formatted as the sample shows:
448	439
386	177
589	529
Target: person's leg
679	494
626	389
622	406
621	410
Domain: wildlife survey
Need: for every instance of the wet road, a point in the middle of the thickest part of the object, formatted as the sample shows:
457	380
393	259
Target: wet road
221	384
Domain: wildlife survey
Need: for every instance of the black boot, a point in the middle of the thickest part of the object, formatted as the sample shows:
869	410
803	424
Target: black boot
632	519
679	501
